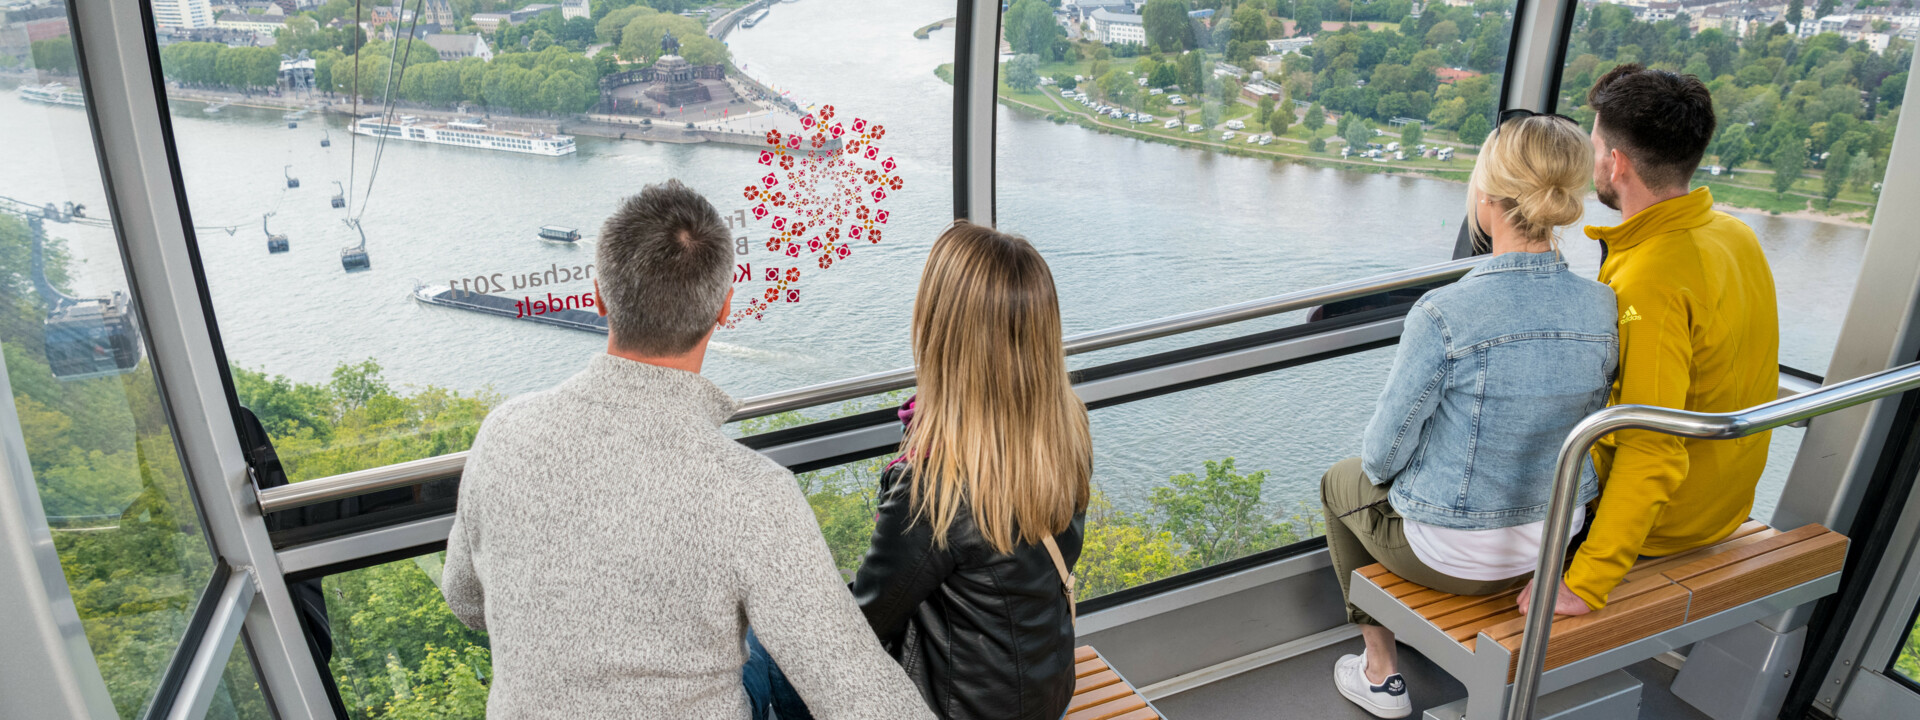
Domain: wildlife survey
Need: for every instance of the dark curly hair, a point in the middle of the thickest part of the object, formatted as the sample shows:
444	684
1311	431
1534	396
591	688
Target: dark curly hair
1663	121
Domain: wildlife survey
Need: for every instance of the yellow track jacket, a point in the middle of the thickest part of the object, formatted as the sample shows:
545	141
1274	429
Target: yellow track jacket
1698	331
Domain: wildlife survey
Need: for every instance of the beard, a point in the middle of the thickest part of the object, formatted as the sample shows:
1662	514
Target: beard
1608	195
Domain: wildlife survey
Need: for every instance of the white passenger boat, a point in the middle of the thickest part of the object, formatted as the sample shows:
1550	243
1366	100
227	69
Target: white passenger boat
464	133
53	94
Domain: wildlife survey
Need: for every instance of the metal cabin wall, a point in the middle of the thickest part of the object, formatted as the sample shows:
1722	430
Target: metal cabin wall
142	176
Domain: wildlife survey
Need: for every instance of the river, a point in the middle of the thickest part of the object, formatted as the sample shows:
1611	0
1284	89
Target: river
1133	230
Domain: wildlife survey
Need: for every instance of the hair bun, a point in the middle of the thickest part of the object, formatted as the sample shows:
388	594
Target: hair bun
1549	207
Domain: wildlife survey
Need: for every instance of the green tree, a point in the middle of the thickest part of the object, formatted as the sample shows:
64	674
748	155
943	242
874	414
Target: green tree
1029	27
1795	11
1308	23
1315	118
1280	118
1411	134
1219	516
1264	110
1734	147
1862	171
1023	71
1164	74
53	55
1787	161
1357	131
1250	24
1065	81
1167	26
1839	155
1121	550
1317	144
1474	129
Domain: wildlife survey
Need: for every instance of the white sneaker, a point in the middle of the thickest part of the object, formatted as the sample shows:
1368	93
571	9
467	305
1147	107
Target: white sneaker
1386	700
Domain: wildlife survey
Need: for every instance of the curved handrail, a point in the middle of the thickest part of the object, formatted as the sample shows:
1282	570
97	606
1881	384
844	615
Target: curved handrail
359	482
1710	426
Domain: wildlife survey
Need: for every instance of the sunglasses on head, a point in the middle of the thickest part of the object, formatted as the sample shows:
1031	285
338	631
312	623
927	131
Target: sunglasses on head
1523	113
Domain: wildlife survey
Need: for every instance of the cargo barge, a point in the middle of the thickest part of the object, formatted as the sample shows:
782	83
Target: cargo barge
583	320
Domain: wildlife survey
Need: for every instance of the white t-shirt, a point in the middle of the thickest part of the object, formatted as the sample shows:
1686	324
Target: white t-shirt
1483	554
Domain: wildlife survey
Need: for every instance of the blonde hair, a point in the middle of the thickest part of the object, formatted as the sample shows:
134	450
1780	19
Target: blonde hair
1536	169
997	426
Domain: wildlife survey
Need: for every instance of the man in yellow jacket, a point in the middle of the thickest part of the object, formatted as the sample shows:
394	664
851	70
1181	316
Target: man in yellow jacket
1699	331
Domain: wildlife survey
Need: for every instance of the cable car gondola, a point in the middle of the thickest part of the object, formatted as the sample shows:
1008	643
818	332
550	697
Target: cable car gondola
276	244
354	257
326	139
84	337
339	198
292	182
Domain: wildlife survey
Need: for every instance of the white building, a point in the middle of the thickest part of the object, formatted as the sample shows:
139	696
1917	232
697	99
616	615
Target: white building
570	9
1111	27
1288	45
183	14
265	25
455	47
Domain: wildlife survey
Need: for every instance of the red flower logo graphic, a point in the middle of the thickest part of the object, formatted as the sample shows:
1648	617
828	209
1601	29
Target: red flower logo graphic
888	165
766	157
773	137
874	237
814	245
859	125
786	162
793	296
880	217
871	152
760	212
807	122
769	180
793	250
843	251
752	192
879	195
837	130
793	274
779	223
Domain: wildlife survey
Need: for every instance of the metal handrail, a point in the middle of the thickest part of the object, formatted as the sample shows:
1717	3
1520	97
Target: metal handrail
1709	426
360	482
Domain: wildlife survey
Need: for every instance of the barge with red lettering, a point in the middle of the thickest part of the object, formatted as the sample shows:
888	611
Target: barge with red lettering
564	311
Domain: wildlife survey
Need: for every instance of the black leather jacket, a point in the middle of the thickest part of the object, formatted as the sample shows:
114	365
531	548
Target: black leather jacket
985	636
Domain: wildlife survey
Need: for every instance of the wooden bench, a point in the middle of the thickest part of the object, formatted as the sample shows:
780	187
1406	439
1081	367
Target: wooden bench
1663	604
1100	693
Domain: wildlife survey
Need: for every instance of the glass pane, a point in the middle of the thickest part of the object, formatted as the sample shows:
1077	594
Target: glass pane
239	696
398	651
1806	123
1907	661
512	135
97	436
1241	154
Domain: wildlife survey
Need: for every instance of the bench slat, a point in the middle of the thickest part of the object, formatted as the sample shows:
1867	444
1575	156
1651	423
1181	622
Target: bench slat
1129	707
1737	554
1641	616
1757	577
1372	571
1095	681
1657	566
1626	591
1084	653
1457	603
1097	696
1089	667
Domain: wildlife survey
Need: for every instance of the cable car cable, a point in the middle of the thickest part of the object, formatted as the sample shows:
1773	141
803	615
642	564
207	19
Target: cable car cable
387	114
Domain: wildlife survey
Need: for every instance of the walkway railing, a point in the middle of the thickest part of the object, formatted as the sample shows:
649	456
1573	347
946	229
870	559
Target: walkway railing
345	485
1723	426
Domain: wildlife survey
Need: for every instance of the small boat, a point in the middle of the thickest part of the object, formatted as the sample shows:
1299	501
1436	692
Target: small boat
54	94
555	233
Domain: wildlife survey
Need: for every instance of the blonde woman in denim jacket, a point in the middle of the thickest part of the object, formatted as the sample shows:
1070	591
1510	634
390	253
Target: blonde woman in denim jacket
1456	466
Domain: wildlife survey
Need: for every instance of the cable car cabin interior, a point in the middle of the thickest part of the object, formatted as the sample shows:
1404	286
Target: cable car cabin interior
255	522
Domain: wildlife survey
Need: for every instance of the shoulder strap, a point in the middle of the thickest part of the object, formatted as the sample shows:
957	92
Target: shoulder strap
1066	576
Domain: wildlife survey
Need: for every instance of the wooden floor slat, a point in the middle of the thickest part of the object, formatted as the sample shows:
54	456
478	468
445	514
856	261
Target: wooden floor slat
1123	707
1089	667
1100	693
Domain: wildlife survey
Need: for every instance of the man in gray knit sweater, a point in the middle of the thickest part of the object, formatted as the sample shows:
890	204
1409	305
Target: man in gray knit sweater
615	544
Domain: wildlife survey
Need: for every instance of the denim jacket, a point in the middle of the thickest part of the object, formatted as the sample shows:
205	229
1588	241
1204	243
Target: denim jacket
1492	373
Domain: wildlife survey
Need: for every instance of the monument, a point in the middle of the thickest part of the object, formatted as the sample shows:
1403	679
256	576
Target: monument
674	82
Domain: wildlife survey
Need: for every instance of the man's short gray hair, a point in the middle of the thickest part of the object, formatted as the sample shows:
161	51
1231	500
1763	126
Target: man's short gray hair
665	267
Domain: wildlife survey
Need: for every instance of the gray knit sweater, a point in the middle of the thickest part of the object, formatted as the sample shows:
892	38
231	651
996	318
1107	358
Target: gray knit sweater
615	545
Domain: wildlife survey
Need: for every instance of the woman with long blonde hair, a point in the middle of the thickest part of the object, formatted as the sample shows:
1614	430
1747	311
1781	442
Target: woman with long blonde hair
968	579
1456	466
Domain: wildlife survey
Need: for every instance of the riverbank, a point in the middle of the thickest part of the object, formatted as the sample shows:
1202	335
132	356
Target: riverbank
1729	196
923	33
